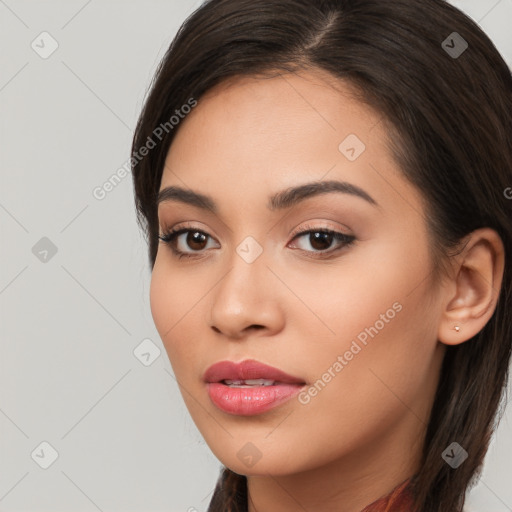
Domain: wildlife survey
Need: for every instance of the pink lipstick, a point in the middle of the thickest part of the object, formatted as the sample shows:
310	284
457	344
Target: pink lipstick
249	387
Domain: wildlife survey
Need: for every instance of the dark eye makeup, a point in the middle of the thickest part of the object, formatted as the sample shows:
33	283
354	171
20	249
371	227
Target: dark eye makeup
317	236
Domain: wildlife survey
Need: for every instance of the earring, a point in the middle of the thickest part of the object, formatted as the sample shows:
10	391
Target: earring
457	328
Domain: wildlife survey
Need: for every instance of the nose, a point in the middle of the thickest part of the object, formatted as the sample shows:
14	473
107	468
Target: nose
247	300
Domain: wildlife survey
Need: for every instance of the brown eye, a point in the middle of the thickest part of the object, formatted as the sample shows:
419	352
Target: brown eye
186	242
320	241
195	240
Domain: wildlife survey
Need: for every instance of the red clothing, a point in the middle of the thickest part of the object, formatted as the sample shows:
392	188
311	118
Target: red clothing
400	499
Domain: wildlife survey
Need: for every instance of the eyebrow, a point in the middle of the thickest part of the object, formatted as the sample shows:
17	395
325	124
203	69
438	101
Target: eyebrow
279	201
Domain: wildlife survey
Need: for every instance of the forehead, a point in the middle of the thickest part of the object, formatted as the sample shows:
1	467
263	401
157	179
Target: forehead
269	115
252	134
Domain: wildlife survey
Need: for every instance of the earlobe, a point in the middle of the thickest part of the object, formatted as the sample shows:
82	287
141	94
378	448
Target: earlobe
474	288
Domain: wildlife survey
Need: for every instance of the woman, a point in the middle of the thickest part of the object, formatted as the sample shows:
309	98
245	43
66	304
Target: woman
325	191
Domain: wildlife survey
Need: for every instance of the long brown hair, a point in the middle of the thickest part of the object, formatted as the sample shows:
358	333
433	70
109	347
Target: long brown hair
448	114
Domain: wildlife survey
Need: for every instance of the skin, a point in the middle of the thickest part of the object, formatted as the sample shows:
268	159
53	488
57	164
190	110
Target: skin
362	434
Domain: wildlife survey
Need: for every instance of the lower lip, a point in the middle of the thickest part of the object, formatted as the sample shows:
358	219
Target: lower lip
250	401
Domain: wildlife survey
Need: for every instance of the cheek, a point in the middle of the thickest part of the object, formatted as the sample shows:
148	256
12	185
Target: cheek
158	299
167	303
383	317
362	291
177	300
377	313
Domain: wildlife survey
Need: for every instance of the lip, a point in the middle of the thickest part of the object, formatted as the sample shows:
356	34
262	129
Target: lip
249	400
247	369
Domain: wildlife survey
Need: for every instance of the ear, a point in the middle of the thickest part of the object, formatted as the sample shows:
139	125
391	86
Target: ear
473	290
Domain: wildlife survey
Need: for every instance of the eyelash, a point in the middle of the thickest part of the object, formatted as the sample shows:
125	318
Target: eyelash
169	238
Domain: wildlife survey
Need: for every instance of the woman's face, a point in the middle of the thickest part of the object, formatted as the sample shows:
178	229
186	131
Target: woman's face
355	319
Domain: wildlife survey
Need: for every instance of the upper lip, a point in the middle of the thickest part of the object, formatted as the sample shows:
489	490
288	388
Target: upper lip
247	369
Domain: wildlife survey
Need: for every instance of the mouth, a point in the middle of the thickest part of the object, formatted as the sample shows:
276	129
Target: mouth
249	387
250	383
248	373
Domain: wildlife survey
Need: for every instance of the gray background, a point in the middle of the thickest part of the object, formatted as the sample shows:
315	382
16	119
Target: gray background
71	320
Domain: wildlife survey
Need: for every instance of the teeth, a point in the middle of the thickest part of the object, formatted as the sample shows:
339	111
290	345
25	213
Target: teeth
248	383
259	382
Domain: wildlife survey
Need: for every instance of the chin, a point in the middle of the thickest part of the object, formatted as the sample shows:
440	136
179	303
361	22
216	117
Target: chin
259	469
249	461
